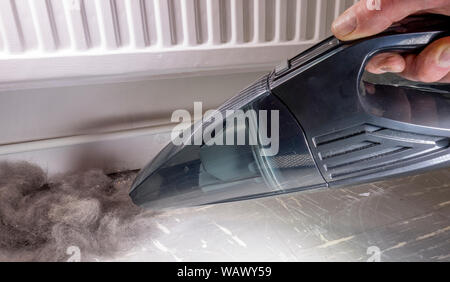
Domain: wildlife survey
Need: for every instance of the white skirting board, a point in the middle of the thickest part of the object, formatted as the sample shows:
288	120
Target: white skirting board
121	153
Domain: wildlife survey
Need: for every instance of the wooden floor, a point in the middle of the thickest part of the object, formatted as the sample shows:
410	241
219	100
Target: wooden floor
406	219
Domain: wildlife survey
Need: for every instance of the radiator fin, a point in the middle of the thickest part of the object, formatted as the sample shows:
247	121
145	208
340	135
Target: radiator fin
54	25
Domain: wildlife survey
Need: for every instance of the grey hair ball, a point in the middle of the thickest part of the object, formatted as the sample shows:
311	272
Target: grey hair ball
41	218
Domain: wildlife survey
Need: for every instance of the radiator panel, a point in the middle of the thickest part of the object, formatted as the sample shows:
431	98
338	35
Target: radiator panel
105	37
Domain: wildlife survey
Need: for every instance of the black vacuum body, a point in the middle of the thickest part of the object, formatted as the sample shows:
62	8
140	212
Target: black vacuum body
338	125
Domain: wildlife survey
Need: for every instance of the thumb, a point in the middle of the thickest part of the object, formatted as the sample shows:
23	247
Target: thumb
369	17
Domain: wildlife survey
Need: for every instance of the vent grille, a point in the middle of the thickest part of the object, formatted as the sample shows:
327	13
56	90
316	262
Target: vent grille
367	148
291	161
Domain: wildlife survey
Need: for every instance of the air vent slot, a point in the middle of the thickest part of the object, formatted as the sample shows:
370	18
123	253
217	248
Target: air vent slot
367	148
346	150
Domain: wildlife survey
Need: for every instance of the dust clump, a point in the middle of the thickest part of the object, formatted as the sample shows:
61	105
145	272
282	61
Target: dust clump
41	219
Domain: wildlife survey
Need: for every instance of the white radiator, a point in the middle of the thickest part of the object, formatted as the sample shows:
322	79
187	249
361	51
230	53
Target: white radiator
48	39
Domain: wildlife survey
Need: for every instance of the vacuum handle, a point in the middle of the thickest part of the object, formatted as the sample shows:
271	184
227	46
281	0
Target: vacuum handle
324	88
411	34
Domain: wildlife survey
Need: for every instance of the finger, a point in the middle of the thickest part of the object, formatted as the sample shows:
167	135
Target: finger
386	62
441	10
369	17
432	64
446	79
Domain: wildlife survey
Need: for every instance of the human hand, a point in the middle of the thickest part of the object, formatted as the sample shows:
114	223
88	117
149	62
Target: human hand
431	65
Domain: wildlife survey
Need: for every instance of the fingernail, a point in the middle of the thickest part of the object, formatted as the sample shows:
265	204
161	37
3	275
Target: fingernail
444	58
389	65
345	24
385	69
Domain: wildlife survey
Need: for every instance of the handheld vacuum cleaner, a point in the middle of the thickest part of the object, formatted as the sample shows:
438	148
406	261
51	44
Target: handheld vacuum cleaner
338	125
